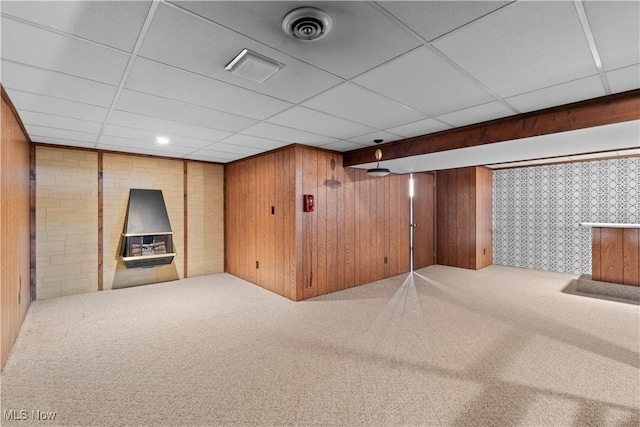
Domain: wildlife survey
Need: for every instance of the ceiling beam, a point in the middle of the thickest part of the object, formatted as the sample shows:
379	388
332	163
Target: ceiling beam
620	107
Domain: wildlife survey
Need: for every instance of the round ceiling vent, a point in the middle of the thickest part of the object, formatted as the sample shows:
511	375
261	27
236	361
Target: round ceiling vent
307	23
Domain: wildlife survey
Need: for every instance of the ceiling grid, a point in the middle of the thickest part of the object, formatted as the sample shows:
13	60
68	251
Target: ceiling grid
115	75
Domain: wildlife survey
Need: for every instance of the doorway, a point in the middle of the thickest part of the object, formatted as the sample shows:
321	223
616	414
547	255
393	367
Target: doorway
422	193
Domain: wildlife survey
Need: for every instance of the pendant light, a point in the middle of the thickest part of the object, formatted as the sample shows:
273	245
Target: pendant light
378	171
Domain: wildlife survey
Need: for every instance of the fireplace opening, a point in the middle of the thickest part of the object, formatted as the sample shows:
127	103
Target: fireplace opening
148	239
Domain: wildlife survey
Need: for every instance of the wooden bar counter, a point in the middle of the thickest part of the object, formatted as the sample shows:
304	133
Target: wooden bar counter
615	261
615	253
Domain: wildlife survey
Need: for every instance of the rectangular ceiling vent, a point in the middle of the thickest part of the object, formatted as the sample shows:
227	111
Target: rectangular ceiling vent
253	66
147	236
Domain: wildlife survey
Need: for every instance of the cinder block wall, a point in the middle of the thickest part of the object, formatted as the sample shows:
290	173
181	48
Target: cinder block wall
67	218
66	222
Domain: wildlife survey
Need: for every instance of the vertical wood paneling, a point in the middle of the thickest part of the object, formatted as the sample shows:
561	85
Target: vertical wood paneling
631	256
596	262
262	211
380	230
15	224
349	228
310	228
442	200
484	217
374	232
252	225
611	258
279	188
393	228
365	233
464	218
32	223
404	241
423	212
321	207
296	170
271	222
472	243
451	218
291	223
387	225
332	217
341	244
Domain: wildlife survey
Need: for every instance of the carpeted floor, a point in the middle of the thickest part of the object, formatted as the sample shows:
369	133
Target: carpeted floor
497	347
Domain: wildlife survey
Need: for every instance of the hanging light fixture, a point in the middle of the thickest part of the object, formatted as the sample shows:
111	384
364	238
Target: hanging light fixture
378	171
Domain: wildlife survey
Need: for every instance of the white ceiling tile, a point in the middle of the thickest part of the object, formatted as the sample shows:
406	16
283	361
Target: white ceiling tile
40	133
624	79
368	138
50	83
150	136
163	126
343	146
321	123
564	93
205	158
131	148
255	142
421	127
169	82
360	39
59	122
423	81
26	101
286	134
213	156
140	103
64	142
620	47
477	114
432	19
44	49
140	146
205	48
233	149
360	105
522	47
113	23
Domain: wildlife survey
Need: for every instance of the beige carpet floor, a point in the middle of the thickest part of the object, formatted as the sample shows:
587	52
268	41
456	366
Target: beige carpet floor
497	347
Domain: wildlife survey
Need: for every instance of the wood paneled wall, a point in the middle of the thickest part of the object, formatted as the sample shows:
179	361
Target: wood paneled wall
356	223
14	227
261	245
464	217
616	255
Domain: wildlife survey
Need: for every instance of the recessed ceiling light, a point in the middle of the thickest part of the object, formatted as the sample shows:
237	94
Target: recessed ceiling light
253	66
162	140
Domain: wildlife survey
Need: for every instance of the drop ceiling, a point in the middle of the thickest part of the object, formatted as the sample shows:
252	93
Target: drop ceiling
116	75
